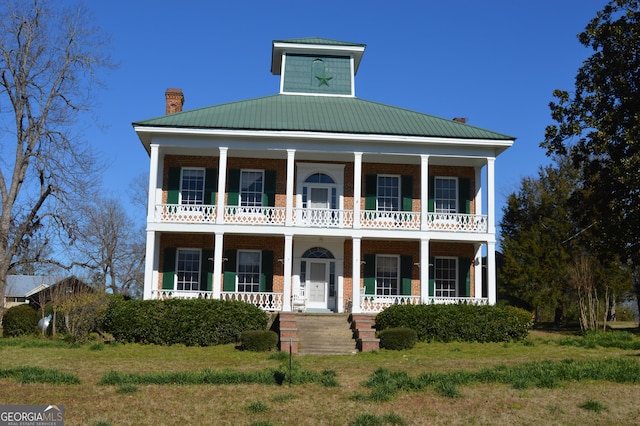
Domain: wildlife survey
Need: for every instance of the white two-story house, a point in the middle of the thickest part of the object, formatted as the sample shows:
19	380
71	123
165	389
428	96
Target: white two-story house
315	199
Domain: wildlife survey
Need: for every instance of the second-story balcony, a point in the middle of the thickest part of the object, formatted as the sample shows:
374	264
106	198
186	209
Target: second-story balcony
323	218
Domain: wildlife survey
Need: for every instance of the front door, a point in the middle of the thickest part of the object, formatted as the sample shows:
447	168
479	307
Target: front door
317	284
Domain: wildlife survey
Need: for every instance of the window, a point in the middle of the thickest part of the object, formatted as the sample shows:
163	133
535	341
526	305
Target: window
251	188
249	271
188	270
446	276
387	278
388	195
192	186
446	196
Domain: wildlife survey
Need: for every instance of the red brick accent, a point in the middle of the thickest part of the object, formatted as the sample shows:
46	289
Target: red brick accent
174	100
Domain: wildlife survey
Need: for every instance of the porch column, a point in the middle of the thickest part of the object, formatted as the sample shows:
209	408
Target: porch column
478	192
155	182
491	195
218	246
222	184
491	272
290	178
151	264
477	283
424	270
357	189
355	277
424	193
288	254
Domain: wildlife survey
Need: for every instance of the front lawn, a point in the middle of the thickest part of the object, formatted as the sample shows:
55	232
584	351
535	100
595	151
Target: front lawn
433	383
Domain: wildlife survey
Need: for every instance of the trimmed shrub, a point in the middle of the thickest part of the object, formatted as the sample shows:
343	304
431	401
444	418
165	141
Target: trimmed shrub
20	320
192	322
461	322
398	338
83	313
259	340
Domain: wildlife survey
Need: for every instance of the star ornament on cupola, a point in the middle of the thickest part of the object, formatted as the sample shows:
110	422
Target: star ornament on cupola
323	79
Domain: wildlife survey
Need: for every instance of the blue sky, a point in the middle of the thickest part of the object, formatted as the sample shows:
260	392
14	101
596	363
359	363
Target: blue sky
493	62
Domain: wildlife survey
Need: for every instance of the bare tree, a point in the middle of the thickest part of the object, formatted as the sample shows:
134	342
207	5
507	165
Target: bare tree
49	57
113	246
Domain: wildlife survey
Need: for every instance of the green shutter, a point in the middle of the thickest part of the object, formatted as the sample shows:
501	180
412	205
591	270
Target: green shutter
206	270
432	276
464	276
432	196
407	193
464	195
269	196
233	187
370	192
210	186
406	268
266	275
369	274
173	185
169	269
229	266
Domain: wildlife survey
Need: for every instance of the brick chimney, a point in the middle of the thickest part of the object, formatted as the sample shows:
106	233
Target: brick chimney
174	99
462	120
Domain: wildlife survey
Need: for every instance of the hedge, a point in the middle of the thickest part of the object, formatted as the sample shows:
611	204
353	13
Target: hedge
459	322
20	320
192	322
259	340
397	338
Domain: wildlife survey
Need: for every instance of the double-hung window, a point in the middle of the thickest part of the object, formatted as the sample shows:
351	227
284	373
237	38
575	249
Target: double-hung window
387	275
388	196
249	262
446	276
188	269
251	188
192	186
446	195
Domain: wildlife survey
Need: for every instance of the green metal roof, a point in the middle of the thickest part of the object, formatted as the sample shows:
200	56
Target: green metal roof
330	114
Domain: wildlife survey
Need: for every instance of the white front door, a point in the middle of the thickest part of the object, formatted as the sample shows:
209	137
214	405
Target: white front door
317	285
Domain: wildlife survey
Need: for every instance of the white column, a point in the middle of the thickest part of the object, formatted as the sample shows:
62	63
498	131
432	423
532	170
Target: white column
357	188
491	272
288	254
151	263
491	195
222	184
477	284
290	179
424	192
155	182
355	277
478	196
424	270
218	250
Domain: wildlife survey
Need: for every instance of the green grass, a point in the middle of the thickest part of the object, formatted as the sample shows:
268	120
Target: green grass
39	375
593	406
385	384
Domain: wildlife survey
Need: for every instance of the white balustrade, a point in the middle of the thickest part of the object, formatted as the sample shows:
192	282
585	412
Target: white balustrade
254	215
323	218
374	304
264	300
185	213
376	219
181	294
457	222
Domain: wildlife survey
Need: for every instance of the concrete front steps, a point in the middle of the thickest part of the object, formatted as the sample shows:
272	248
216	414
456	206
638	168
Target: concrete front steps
326	333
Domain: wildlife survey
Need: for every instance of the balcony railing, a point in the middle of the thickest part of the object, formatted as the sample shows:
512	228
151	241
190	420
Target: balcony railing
457	222
324	218
185	213
263	300
374	304
254	215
